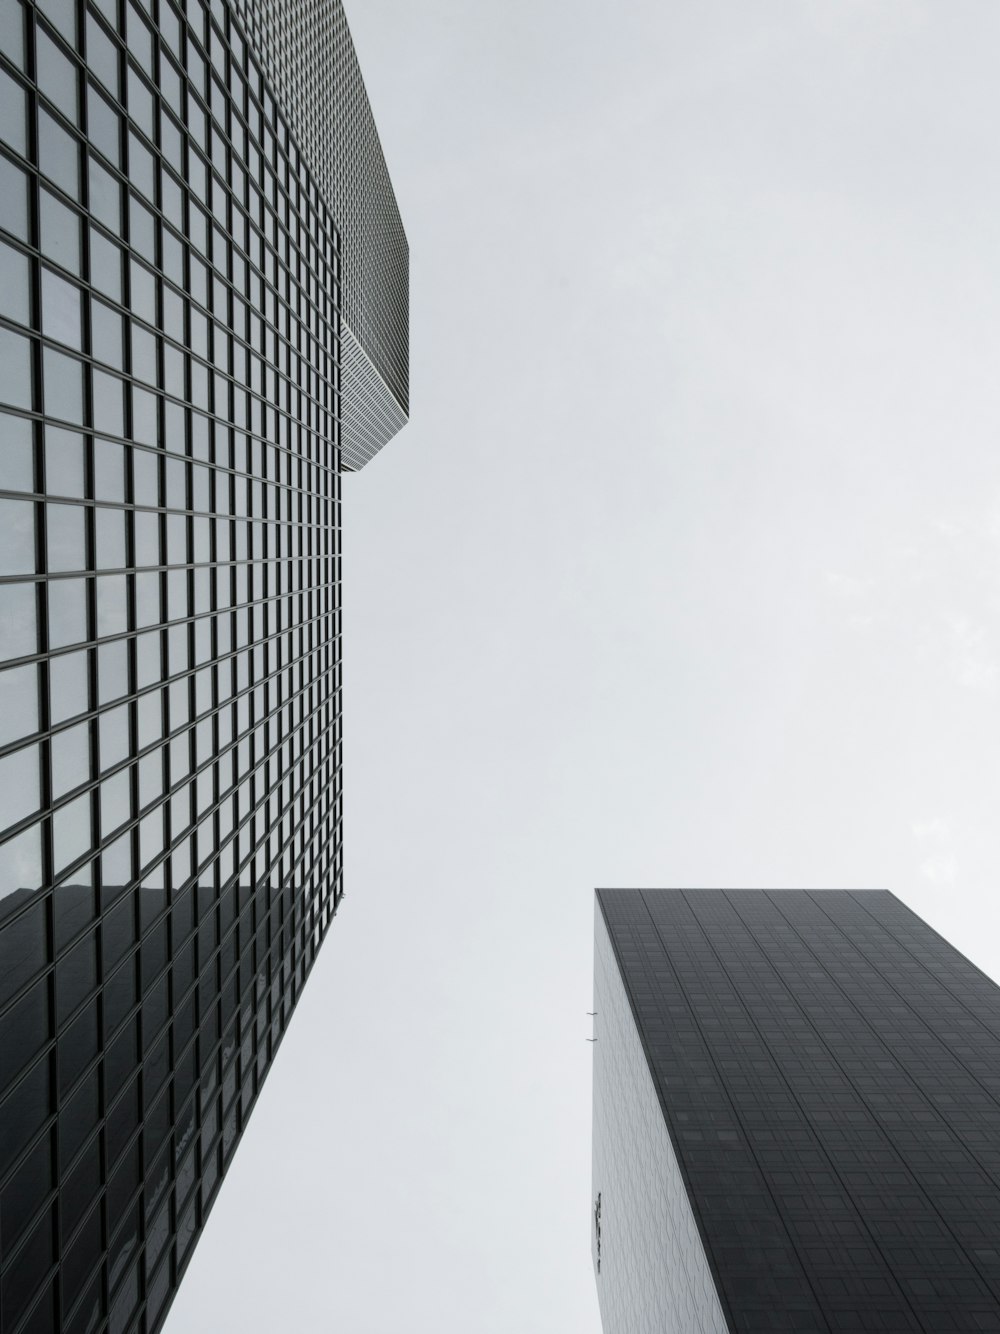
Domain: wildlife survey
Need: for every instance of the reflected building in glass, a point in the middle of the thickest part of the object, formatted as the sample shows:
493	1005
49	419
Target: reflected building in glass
203	323
796	1117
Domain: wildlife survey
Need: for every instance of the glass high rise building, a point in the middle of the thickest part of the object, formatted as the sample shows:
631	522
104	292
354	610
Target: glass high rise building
203	323
796	1117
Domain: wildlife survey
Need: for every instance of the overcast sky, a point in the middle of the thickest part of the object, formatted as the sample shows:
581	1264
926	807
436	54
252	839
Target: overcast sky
685	572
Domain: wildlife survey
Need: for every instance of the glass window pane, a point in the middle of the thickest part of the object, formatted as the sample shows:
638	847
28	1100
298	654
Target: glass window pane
68	692
71	832
104	126
115	801
18	630
19	692
19	791
147	659
60	309
112	670
109	413
112	605
15	369
105	195
13	115
114	736
15	294
63	462
67	611
21	862
62	386
76	977
17	537
60	232
145	477
143	293
109	532
56	74
70	758
109	474
65	537
107	334
147	538
58	154
145	420
12	33
147	599
17	455
143	354
13	199
106	267
142	230
102	56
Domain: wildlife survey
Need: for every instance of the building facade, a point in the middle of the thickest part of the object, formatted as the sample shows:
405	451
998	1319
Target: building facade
203	323
796	1117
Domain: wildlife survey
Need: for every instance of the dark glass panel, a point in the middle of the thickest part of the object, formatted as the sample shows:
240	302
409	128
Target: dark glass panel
24	1031
22	1280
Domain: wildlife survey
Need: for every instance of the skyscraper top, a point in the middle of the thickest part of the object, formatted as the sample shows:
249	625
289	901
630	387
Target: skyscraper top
308	55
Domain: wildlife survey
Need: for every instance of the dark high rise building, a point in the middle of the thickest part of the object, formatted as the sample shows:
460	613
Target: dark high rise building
796	1117
203	322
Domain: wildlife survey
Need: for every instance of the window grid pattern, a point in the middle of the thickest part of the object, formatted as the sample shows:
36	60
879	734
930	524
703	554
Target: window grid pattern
170	754
308	53
828	1070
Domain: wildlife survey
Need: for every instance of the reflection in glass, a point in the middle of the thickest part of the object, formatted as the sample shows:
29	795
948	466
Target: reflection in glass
20	864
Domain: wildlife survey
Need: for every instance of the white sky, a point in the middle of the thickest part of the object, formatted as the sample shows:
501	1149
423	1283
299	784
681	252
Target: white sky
686	572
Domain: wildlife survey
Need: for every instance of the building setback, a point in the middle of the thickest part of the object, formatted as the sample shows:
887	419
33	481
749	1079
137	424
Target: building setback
203	323
796	1117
